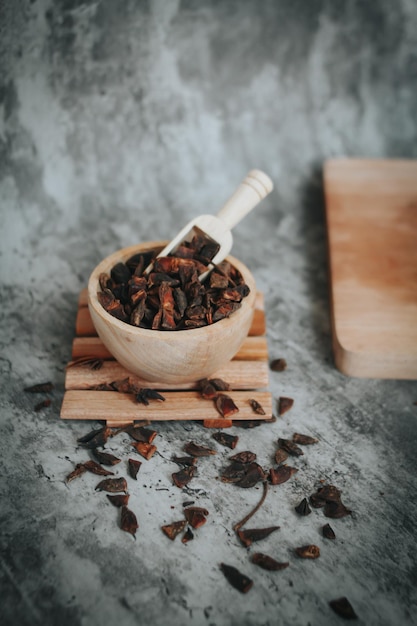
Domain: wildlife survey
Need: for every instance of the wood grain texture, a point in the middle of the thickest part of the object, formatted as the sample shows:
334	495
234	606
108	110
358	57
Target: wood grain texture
253	348
179	405
371	210
239	374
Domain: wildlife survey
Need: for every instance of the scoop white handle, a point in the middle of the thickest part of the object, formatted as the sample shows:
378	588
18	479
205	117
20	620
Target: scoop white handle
254	188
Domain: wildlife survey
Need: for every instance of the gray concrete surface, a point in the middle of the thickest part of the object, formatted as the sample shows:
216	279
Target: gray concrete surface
119	121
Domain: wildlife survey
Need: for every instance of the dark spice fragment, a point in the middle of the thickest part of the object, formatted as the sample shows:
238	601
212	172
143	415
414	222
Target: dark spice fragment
79	470
244	457
174	529
308	552
303	508
105	458
219	384
184	476
92	362
147	450
187	503
230	441
128	521
336	510
281	474
184	460
249	535
304	440
95	438
225	405
207	390
146	435
196	516
329	493
267	562
253	423
290	447
316	502
134	467
188	536
284	405
194	449
252	476
144	395
119	500
256	407
280	456
40	388
239	581
96	468
278	365
328	532
112	485
42	405
343	607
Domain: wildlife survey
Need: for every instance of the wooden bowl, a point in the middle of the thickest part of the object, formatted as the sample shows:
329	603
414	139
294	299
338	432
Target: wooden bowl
176	356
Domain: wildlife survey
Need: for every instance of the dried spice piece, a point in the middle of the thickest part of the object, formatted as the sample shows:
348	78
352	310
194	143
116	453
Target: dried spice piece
134	467
207	390
328	532
119	500
188	536
249	535
79	470
147	450
280	456
233	472
184	476
284	405
128	521
225	405
219	384
267	562
329	493
187	503
336	510
196	516
112	485
251	513
316	502
184	460
278	365
196	509
281	474
42	405
343	607
96	468
95	438
290	447
144	395
174	529
105	458
303	508
230	441
140	433
256	407
92	362
40	388
252	476
239	581
244	457
194	449
308	552
304	440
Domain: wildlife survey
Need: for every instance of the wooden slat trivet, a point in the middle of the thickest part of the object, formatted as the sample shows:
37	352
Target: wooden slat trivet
247	375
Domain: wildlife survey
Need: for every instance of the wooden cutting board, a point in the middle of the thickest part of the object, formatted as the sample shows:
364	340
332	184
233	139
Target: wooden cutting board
371	211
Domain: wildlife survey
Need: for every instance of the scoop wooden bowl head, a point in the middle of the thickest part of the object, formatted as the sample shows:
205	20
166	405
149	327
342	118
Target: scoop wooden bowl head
177	356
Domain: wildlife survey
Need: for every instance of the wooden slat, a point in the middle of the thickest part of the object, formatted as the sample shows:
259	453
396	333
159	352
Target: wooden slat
253	349
84	326
239	375
179	405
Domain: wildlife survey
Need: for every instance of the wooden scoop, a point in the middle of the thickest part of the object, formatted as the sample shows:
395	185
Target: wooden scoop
254	188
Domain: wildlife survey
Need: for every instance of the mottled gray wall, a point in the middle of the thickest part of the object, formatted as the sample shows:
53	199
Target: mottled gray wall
119	121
